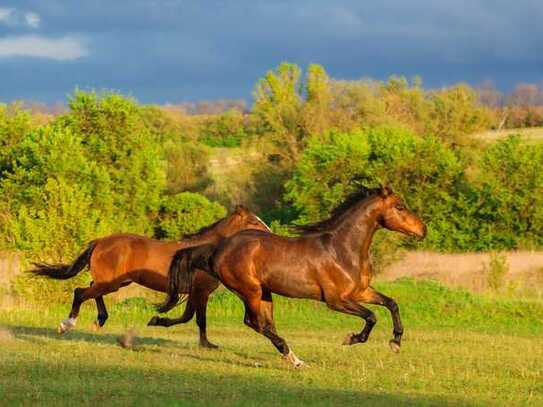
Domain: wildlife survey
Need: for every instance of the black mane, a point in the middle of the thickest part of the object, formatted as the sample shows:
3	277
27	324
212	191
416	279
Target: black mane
200	232
348	203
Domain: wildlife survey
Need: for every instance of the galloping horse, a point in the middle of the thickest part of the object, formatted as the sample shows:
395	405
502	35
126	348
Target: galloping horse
118	260
329	262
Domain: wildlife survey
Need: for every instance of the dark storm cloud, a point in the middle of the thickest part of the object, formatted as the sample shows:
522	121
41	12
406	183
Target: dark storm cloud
173	50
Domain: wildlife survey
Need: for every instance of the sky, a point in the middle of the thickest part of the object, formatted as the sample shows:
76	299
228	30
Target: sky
171	51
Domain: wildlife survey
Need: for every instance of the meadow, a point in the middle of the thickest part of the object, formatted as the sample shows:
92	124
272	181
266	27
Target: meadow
459	349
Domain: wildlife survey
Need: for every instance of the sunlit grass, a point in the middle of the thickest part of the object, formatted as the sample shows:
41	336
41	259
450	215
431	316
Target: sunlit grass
459	349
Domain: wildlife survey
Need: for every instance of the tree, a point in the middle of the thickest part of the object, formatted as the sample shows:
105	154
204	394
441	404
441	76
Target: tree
277	107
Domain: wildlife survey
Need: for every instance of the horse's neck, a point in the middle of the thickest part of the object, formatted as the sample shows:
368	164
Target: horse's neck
206	238
356	230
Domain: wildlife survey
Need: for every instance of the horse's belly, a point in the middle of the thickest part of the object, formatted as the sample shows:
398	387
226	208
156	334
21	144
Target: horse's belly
293	286
150	279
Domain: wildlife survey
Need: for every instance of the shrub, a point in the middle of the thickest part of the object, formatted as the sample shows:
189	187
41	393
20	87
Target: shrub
187	167
510	195
224	130
495	271
421	170
186	212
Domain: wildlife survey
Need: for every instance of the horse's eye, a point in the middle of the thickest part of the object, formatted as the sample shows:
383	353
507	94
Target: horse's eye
400	207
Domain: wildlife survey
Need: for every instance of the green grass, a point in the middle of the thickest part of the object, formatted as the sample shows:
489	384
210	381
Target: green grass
459	349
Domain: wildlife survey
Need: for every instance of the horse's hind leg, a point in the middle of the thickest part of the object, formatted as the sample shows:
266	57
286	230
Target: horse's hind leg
371	296
259	316
80	296
102	312
353	308
70	322
201	307
166	322
203	286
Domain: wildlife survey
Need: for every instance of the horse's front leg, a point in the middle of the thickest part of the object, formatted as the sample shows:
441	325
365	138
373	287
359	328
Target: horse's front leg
371	296
351	307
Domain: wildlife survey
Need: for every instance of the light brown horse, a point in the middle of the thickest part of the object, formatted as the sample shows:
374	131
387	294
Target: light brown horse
118	260
329	262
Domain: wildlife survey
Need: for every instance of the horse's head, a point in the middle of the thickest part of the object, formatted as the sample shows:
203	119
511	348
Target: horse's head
241	219
397	217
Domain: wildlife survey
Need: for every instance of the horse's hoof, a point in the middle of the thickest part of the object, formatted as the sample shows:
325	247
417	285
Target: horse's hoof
349	339
153	321
292	358
394	345
300	364
208	345
66	325
96	326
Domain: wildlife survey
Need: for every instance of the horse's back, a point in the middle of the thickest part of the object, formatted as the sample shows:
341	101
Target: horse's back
130	257
283	265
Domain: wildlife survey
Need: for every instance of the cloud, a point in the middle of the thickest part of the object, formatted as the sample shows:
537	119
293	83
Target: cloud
60	49
15	18
180	50
5	14
32	19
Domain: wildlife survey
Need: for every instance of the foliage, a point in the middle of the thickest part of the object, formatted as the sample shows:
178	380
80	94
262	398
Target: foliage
277	107
496	208
186	212
224	130
14	124
109	164
187	166
116	137
510	195
495	271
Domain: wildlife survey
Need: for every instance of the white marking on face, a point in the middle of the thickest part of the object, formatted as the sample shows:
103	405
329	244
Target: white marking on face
261	221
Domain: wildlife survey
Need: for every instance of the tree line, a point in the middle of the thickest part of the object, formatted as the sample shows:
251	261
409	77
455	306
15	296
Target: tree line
109	164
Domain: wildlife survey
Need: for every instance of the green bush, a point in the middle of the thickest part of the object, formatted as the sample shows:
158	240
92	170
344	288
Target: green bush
224	130
422	170
495	271
56	199
498	206
510	195
185	213
117	137
187	167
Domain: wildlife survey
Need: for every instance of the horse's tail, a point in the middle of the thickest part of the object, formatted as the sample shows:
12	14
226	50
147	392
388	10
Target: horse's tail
181	270
65	271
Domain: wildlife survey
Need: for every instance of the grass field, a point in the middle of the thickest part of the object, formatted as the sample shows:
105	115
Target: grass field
459	349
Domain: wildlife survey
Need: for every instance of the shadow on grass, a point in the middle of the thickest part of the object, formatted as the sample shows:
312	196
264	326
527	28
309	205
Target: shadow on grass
177	384
26	332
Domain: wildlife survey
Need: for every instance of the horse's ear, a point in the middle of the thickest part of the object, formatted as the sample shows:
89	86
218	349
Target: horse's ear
386	191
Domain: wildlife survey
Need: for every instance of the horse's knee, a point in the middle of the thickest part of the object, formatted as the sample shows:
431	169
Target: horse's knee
78	293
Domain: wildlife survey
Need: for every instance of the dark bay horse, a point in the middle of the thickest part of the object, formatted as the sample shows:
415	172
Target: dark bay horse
118	260
329	262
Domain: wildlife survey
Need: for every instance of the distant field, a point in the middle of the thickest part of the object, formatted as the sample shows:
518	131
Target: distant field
467	270
528	135
459	349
